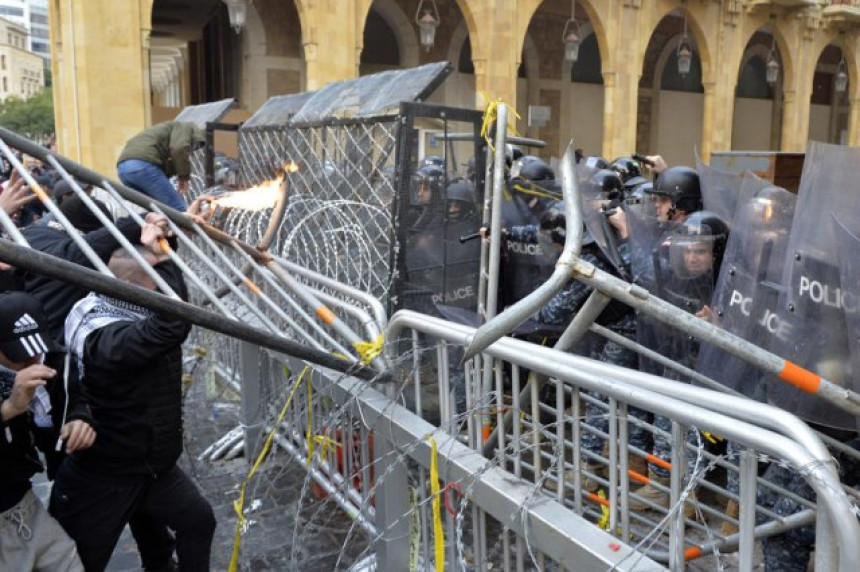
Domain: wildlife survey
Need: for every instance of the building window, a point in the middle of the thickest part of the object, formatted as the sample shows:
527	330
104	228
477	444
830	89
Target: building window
5	84
3	62
11	11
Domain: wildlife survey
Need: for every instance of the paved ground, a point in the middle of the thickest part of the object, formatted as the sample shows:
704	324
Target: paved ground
289	529
279	495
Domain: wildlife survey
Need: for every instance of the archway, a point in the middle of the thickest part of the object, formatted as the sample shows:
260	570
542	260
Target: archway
274	58
564	100
389	39
757	120
671	103
829	106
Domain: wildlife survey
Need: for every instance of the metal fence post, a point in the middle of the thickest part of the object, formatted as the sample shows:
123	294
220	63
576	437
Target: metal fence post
252	403
392	506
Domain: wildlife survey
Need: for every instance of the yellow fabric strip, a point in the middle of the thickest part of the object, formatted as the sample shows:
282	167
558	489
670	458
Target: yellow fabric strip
239	505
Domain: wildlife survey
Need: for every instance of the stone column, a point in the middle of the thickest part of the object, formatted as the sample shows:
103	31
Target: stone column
795	118
621	71
331	40
101	77
496	51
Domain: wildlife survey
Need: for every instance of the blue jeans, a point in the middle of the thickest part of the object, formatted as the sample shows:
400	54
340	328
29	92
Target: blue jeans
151	181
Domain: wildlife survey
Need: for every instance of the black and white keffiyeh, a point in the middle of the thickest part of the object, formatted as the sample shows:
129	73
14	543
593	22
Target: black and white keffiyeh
92	313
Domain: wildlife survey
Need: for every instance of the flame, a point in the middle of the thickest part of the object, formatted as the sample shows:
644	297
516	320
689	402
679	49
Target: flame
256	198
259	197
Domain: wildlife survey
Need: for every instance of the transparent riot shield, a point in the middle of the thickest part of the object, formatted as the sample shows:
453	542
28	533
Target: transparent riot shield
596	208
649	265
720	189
848	242
812	313
746	297
525	263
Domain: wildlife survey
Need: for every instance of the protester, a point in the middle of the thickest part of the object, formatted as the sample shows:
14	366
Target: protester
32	400
154	155
130	363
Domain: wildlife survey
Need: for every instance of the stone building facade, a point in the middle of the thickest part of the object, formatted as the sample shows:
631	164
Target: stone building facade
116	59
21	71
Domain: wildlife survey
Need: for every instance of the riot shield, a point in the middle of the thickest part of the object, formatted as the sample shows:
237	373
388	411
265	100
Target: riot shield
848	242
525	265
649	262
746	297
719	189
812	311
596	208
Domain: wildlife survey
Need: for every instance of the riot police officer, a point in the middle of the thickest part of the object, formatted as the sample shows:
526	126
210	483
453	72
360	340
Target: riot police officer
686	279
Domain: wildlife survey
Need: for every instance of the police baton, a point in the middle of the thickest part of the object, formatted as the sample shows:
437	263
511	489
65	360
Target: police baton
642	159
468	237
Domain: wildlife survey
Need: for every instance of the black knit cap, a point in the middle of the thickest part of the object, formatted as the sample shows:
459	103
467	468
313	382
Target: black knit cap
80	215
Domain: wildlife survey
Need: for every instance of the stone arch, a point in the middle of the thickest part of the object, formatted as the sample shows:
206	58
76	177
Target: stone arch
694	28
659	109
530	62
528	8
475	32
455	46
786	62
403	28
751	107
757	51
829	110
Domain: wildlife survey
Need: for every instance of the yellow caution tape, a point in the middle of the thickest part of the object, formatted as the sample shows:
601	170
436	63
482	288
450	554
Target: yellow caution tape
537	191
603	523
310	429
370	350
239	505
711	437
438	533
490	116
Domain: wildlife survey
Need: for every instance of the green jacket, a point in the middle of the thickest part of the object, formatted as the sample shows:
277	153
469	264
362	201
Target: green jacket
166	145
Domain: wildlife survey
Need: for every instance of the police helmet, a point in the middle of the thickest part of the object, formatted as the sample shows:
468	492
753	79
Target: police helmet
595	162
532	168
430	177
433	160
512	153
703	230
461	193
681	185
626	167
640	200
552	223
608	183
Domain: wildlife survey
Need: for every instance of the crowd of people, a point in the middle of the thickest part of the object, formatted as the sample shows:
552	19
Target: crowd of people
92	384
645	222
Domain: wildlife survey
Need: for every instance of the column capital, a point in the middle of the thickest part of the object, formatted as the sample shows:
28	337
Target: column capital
311	51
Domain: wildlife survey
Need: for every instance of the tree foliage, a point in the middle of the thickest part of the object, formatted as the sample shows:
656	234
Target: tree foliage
32	117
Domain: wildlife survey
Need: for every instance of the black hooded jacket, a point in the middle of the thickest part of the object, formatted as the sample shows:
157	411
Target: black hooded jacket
133	384
18	436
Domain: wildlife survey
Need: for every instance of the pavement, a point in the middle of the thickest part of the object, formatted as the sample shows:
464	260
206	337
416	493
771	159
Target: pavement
288	528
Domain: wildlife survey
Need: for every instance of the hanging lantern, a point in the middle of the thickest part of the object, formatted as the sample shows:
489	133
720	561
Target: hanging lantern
427	23
572	39
237	10
840	82
771	68
685	57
